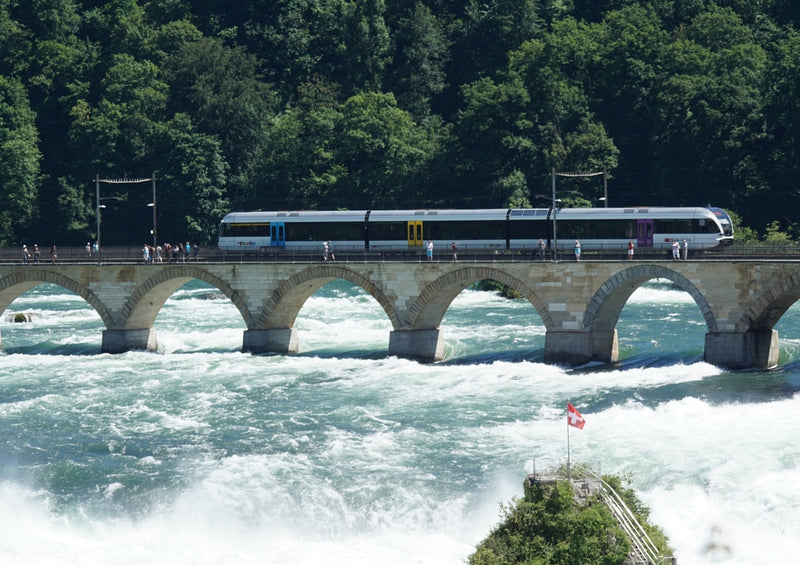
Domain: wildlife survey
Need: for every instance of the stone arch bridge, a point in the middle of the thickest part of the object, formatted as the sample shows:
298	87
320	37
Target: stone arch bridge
579	302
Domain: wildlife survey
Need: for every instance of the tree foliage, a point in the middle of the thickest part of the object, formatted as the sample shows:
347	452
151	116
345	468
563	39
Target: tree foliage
551	529
548	527
354	104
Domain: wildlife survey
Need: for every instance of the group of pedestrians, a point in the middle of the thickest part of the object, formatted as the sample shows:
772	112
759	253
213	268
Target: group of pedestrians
680	251
36	255
180	252
327	251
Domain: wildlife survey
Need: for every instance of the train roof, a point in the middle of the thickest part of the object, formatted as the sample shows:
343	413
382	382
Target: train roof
434	214
296	216
634	212
622	213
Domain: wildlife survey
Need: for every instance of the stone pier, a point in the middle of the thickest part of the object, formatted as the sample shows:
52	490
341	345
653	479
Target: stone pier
270	341
120	341
421	345
747	350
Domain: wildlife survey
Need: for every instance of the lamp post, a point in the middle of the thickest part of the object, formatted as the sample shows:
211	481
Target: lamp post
97	214
155	221
555	213
605	187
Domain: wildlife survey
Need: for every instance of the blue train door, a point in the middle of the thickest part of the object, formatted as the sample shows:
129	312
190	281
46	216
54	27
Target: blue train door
277	234
644	233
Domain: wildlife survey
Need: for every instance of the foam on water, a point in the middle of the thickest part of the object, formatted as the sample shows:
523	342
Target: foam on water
201	454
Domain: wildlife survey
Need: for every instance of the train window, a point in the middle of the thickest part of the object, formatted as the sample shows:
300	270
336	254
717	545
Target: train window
324	231
528	230
388	231
466	230
244	230
673	226
567	229
705	226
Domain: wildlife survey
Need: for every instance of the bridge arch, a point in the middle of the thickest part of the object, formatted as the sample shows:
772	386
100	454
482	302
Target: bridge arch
282	307
428	310
764	312
606	305
144	304
18	283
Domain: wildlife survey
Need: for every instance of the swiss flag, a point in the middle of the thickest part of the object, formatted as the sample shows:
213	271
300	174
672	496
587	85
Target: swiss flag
574	417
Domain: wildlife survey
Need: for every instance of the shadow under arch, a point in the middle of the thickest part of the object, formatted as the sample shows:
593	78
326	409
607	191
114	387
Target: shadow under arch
770	306
281	309
607	303
15	285
144	304
428	310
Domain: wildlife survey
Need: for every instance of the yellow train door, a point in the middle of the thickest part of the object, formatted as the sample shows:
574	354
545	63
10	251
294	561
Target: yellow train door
415	233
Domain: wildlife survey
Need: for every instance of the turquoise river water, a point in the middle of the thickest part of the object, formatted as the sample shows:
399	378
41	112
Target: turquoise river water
199	454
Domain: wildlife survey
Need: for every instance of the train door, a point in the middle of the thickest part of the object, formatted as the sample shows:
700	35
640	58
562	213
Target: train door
277	234
415	233
644	233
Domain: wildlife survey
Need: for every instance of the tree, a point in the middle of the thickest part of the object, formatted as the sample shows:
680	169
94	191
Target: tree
493	136
710	122
297	167
360	44
220	88
781	161
383	151
193	170
551	529
421	51
631	47
361	153
19	162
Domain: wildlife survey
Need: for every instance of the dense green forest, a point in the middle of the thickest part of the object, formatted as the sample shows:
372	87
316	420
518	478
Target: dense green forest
264	104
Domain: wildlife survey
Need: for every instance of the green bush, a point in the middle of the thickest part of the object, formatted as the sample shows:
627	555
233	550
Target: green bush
548	527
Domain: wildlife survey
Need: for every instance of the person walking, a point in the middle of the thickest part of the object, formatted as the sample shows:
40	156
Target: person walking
25	255
53	253
676	250
429	250
36	253
577	250
454	247
630	250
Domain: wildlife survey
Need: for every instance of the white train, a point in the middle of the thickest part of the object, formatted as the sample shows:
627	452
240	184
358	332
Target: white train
605	229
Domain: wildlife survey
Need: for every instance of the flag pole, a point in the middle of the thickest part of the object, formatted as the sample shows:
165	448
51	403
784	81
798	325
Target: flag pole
569	477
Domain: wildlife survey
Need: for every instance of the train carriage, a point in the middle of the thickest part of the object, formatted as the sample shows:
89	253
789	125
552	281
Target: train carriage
293	230
647	227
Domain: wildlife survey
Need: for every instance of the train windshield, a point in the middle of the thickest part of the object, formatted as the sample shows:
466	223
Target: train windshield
724	221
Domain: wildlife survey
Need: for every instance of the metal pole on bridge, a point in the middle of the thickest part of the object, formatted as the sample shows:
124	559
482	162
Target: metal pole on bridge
97	214
555	235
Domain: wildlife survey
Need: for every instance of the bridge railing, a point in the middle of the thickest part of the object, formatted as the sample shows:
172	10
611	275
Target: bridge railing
212	254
